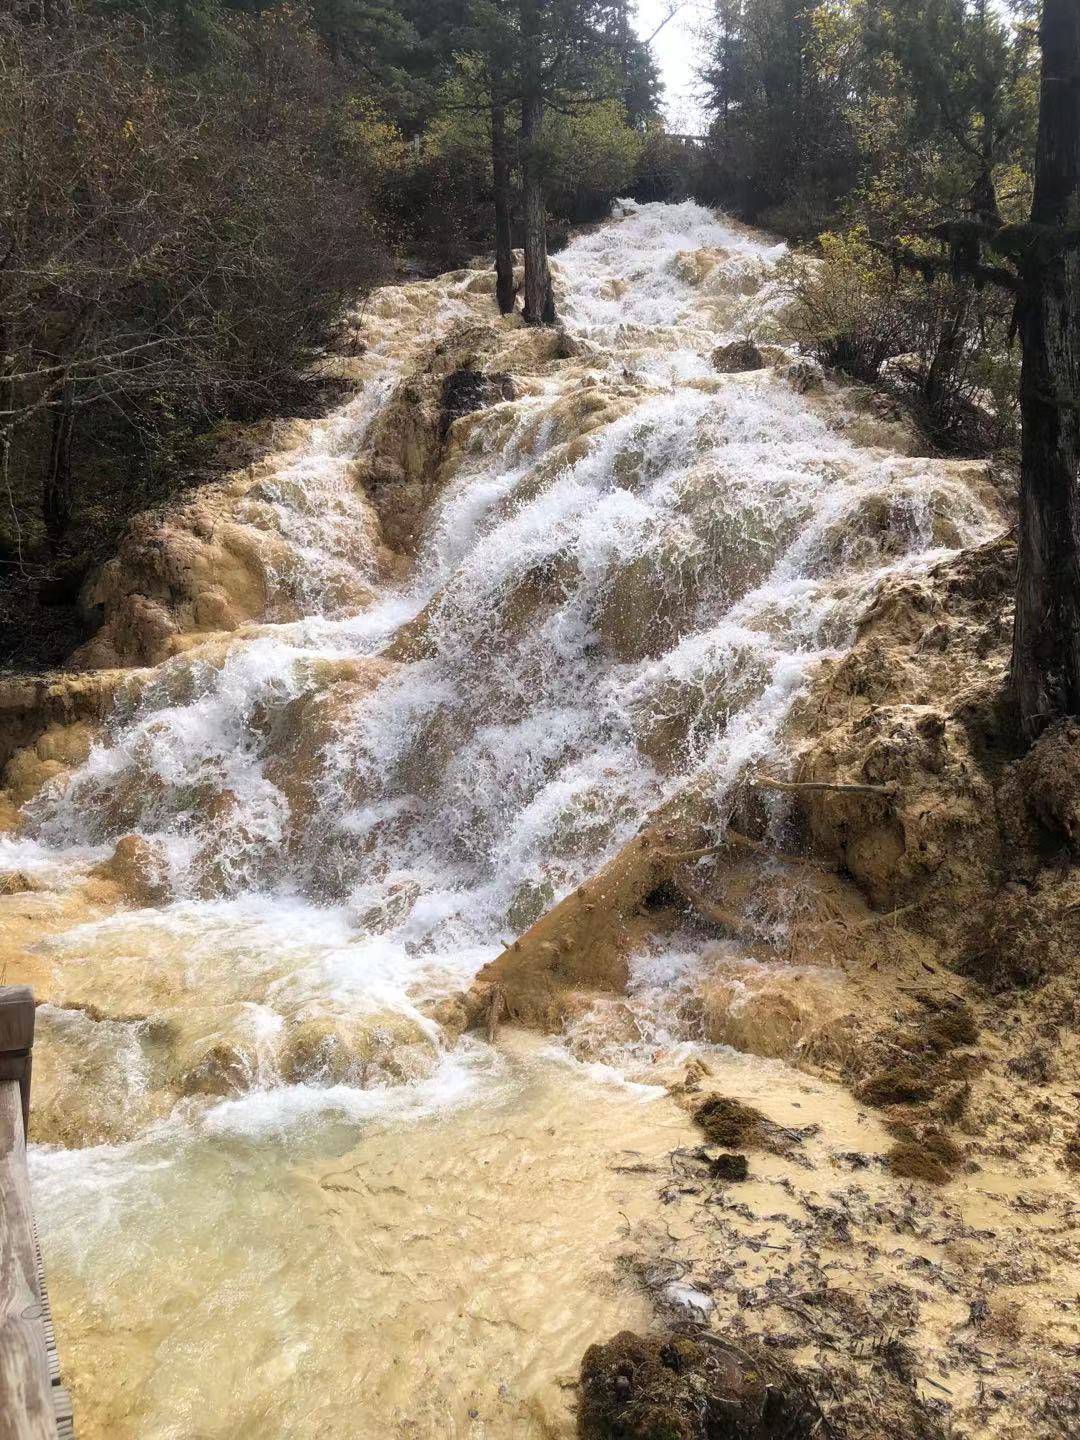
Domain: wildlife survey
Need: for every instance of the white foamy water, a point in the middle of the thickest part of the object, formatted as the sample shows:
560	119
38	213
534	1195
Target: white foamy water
603	618
598	629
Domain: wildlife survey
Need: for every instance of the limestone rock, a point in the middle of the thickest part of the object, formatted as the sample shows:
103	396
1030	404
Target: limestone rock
465	391
33	704
58	749
805	376
299	735
1043	788
190	568
354	1050
139	870
583	943
649	601
222	1068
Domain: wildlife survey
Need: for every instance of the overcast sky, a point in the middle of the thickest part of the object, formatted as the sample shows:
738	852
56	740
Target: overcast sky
677	52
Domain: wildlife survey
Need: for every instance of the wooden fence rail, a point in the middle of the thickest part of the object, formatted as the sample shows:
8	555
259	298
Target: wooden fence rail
33	1403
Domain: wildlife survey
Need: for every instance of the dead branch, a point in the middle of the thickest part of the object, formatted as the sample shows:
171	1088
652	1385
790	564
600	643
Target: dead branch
766	782
496	1005
715	914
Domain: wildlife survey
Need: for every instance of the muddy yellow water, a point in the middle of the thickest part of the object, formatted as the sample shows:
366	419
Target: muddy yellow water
426	1274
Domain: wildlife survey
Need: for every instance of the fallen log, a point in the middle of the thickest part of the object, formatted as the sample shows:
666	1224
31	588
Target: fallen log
584	942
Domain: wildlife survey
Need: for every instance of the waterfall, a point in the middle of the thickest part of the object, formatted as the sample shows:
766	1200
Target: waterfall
624	577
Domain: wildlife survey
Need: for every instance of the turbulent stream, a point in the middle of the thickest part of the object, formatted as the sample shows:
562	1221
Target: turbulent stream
311	1206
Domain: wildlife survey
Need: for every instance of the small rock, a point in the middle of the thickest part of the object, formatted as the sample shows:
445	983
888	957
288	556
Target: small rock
737	357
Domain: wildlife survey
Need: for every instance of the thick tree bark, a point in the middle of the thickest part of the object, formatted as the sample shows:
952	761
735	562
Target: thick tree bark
1046	639
500	166
539	297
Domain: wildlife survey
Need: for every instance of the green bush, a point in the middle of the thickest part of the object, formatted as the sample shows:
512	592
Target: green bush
943	346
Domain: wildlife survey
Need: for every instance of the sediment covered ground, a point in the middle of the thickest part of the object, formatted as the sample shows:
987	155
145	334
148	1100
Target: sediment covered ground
539	854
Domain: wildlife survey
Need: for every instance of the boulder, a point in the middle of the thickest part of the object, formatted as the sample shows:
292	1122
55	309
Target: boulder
355	1050
805	376
648	602
736	357
465	390
58	749
139	870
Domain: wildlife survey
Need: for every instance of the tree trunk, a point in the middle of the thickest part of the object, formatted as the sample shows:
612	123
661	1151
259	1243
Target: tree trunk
947	353
624	50
500	166
984	203
57	497
1046	638
539	298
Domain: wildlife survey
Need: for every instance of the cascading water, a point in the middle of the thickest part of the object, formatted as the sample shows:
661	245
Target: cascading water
631	570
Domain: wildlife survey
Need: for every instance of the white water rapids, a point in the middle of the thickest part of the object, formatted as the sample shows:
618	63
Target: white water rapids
603	620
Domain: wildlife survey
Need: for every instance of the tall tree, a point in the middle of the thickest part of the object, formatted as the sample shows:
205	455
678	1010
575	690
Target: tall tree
535	77
569	59
1044	274
489	35
500	172
1046	641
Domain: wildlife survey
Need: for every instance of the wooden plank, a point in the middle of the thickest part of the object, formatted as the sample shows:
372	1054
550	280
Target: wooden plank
16	1018
27	1409
62	1413
17	1041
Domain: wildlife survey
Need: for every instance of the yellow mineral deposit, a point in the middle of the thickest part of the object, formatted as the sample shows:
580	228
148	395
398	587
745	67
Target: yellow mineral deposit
441	720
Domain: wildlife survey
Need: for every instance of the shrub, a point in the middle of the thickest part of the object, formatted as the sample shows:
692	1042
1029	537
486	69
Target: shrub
179	244
943	346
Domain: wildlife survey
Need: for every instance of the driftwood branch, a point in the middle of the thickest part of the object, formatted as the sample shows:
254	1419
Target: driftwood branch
735	840
766	782
715	914
495	1007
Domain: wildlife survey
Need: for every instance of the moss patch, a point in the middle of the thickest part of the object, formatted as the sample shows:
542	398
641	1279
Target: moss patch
898	1085
951	1028
669	1387
931	1158
732	1124
729	1167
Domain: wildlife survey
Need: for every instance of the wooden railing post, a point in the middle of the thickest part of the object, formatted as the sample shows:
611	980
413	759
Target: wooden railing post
33	1403
17	1041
